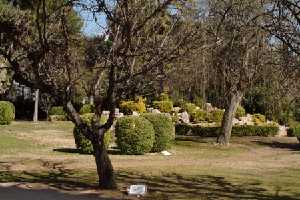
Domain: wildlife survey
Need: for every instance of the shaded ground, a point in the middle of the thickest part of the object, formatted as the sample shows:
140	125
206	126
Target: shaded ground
42	160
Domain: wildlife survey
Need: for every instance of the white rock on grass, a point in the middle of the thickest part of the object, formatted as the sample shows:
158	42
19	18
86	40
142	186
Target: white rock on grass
165	153
137	190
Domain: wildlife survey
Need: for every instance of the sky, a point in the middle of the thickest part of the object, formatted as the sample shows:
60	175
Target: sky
91	27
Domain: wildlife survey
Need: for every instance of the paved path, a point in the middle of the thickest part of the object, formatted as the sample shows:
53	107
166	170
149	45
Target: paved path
15	191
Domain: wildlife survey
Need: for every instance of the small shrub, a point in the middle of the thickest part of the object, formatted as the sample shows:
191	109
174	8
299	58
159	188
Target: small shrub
164	97
135	135
259	119
82	143
199	102
57	110
163	106
294	131
7	112
217	116
190	108
240	112
199	116
138	105
179	102
87	108
164	131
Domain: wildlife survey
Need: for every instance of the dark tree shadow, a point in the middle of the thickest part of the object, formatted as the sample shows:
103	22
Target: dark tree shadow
175	186
111	151
280	145
67	150
170	186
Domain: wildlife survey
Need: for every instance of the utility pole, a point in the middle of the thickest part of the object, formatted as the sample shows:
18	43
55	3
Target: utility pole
36	105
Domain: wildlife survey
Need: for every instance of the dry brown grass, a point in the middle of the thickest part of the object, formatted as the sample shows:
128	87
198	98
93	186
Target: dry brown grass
251	167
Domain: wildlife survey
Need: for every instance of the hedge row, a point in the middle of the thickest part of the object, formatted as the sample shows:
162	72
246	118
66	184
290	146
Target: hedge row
245	130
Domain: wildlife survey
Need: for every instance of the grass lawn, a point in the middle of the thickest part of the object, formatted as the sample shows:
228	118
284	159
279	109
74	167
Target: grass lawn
43	155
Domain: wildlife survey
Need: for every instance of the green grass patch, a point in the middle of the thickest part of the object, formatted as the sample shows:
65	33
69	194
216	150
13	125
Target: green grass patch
10	144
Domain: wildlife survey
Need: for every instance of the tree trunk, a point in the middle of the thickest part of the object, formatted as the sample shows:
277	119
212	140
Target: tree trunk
227	121
36	106
104	167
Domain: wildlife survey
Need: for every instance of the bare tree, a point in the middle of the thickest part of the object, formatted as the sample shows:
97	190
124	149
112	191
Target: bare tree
239	45
136	47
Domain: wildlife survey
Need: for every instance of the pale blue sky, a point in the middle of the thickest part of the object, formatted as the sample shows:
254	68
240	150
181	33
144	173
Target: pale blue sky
91	26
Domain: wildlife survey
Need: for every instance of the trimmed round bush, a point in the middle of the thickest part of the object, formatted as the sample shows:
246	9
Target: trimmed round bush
7	112
83	144
87	108
135	135
57	110
240	112
164	131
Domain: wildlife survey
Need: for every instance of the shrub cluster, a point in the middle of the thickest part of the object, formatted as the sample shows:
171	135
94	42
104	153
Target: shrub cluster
135	135
164	131
82	143
7	112
245	130
127	107
150	132
87	108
